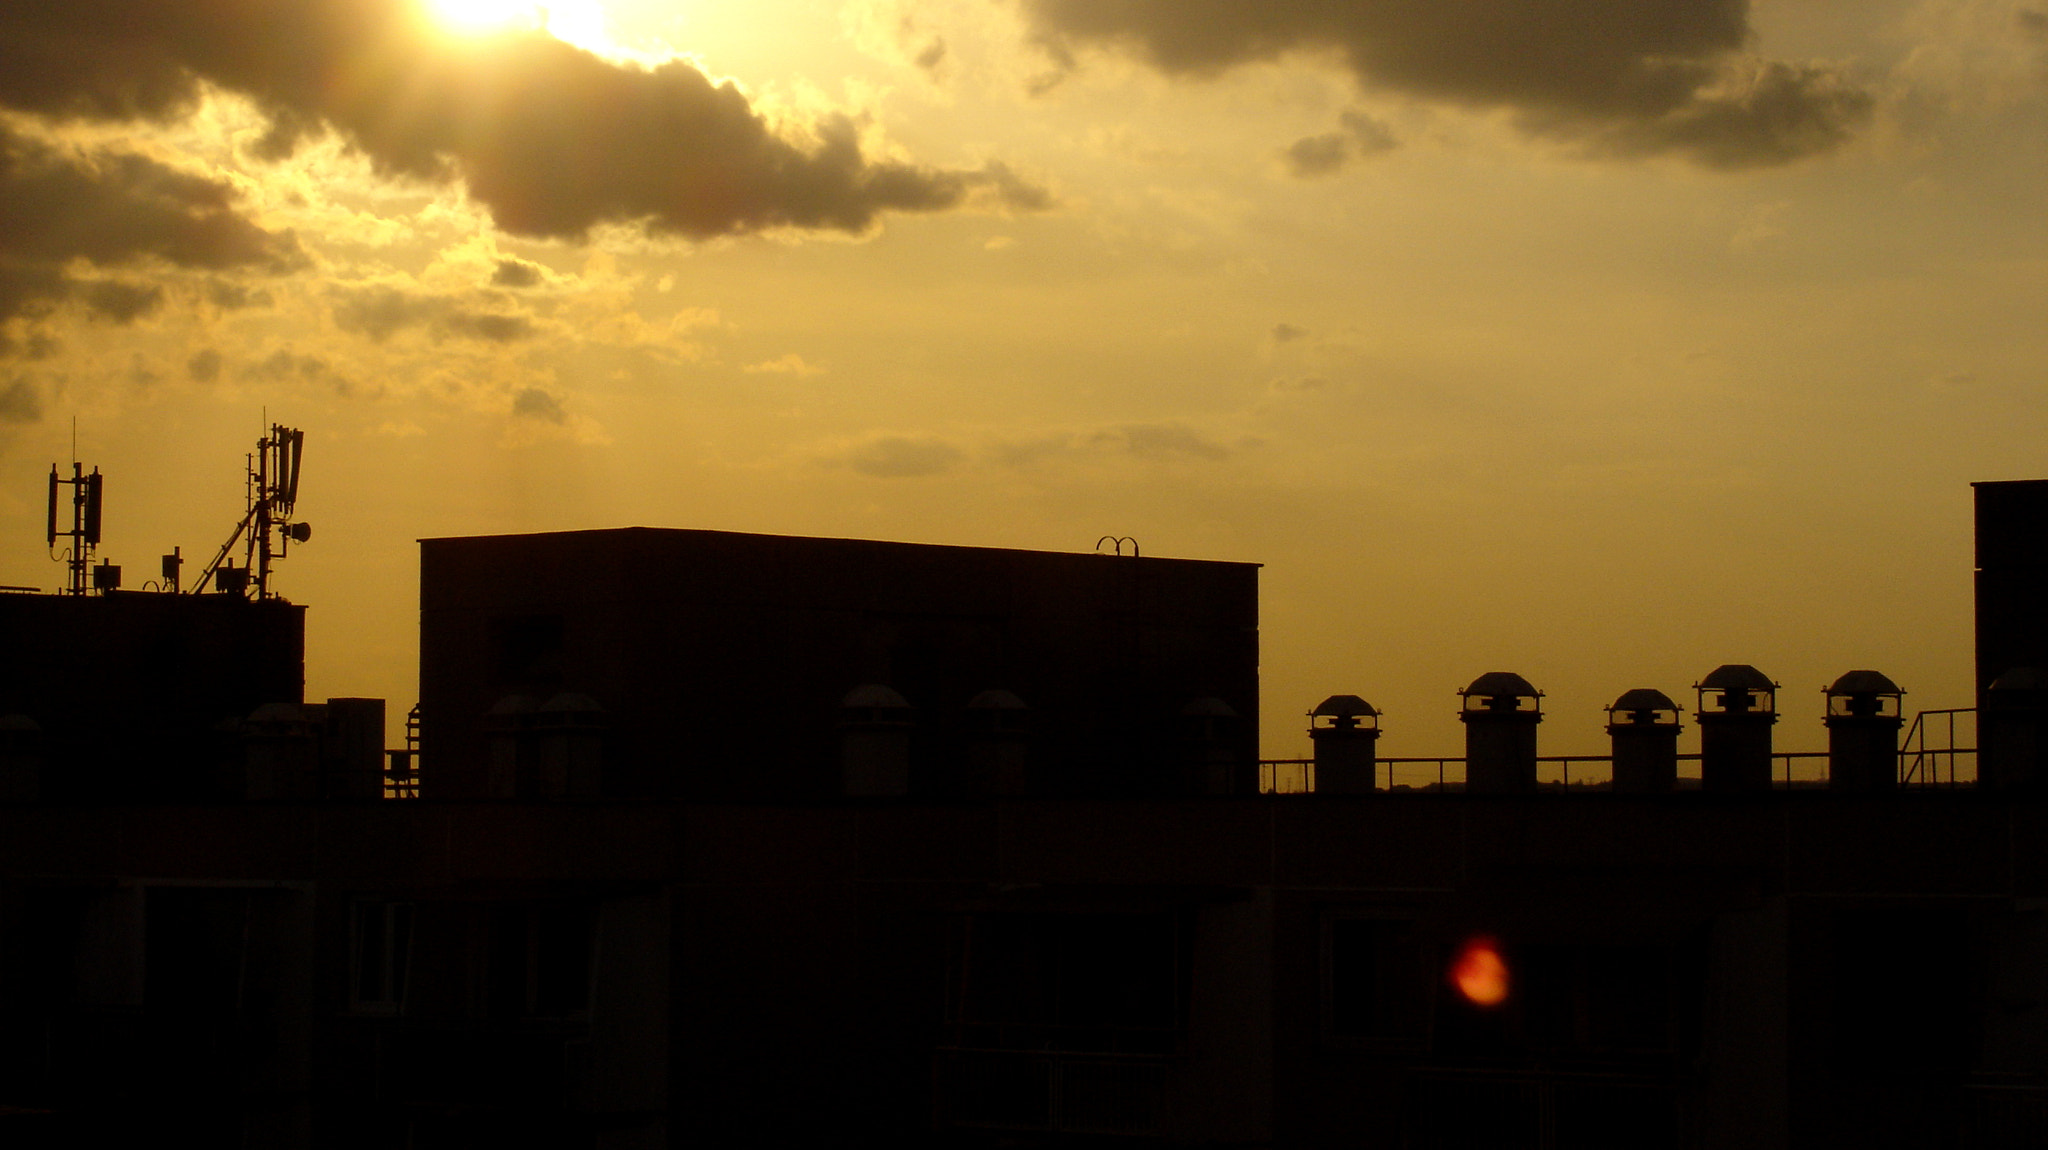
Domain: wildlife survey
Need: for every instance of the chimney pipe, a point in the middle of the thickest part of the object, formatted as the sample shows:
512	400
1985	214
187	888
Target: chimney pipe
1738	705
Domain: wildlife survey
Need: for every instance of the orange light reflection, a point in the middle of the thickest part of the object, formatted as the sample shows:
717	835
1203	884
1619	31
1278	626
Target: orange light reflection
1480	973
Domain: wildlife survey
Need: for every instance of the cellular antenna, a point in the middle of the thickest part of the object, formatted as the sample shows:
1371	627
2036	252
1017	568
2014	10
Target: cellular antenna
266	531
85	522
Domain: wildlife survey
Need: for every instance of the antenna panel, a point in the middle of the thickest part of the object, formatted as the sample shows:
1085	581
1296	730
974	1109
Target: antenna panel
295	443
92	507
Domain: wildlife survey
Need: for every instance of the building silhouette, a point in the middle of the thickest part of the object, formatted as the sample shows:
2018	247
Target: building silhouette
737	840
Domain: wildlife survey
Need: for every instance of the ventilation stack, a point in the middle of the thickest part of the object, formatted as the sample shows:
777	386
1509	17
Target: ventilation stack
998	735
1346	732
281	749
1863	723
1738	705
874	742
1500	713
1643	727
508	732
569	732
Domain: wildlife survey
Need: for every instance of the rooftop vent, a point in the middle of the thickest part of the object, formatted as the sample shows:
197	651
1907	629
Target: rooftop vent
1500	713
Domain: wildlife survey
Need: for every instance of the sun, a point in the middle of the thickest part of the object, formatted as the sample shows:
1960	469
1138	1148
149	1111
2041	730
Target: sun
476	17
579	22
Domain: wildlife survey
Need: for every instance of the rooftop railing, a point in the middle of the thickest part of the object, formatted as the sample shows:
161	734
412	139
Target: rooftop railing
1921	766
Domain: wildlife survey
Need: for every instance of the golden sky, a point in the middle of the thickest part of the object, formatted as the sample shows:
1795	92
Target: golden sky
1604	341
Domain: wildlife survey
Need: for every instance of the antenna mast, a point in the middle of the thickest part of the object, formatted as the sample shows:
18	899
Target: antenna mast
85	520
273	484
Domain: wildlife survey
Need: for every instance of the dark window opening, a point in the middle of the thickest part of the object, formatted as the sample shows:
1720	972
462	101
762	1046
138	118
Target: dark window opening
380	955
1070	978
1375	985
538	961
1589	1000
1063	1022
197	952
1903	985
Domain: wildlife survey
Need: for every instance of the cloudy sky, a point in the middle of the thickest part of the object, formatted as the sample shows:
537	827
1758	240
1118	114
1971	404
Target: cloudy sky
1605	341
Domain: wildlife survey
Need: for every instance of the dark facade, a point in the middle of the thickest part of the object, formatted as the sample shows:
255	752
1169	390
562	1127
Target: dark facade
721	665
676	896
126	695
2012	578
1810	970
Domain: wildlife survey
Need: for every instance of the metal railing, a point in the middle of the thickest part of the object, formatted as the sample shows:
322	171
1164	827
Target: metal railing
1919	764
1791	770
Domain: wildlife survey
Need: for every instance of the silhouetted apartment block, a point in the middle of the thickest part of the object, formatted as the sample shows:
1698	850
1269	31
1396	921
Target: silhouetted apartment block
735	840
2012	578
644	663
2012	632
133	696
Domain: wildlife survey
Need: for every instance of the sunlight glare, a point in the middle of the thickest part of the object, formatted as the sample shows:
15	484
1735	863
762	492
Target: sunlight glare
1479	973
475	17
579	22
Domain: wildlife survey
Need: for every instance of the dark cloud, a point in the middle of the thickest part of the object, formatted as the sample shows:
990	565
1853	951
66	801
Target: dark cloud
533	403
37	345
488	326
1773	114
1012	190
516	273
2033	26
553	139
1368	135
926	50
230	296
1313	156
1161	439
1326	155
899	457
281	365
379	313
1150	441
112	209
204	366
1288	333
20	402
1652	72
121	302
29	288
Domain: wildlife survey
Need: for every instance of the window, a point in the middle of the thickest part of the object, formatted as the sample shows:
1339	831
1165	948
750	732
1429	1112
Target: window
380	952
1605	1001
539	961
1599	999
1374	986
1903	987
1062	1021
1070	981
